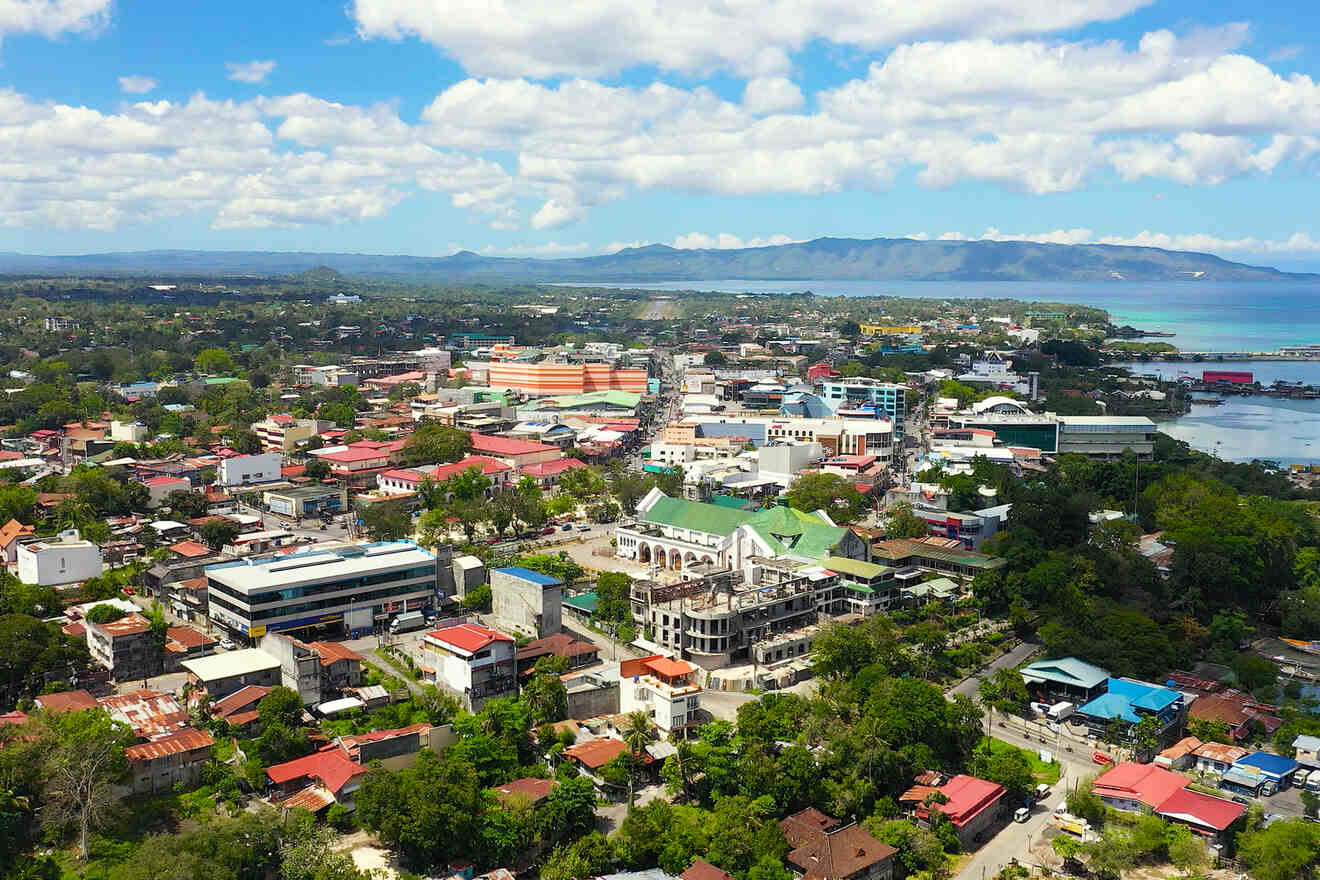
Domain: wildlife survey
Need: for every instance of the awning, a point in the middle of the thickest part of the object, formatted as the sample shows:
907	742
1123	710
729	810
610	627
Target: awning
1246	780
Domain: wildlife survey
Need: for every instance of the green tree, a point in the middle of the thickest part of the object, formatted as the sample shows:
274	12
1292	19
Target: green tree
432	811
281	706
546	696
386	520
217	533
104	614
828	492
316	469
903	523
1286	850
570	810
436	444
590	856
186	504
214	361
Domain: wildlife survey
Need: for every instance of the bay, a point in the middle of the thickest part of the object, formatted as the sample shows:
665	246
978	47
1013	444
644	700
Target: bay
1207	316
1244	428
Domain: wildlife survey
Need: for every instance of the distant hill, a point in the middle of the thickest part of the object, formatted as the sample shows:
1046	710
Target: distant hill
877	259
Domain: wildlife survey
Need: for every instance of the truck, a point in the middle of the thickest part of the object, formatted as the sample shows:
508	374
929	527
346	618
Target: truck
1313	781
1060	711
412	620
1065	821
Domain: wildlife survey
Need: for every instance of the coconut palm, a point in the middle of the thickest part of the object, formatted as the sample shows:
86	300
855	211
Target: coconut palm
636	732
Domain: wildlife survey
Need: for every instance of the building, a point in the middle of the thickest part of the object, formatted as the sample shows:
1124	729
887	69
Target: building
357	464
282	434
1268	772
150	714
351	586
1180	755
593	754
945	556
59	324
1106	436
245	470
341	667
545	379
396	480
473	661
868	588
220	675
1307	751
677	534
512	451
159	488
577	652
125	647
1218	758
527	600
159	765
1143	788
12	535
884	397
469	572
317	780
53	562
304	502
662	688
300	666
765	614
972	528
973	805
593	692
526	790
129	432
1128	702
821	850
1227	377
239	709
1050	681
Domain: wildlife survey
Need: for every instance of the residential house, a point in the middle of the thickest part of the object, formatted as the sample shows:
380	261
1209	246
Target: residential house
12	534
341	667
1128	702
399	480
663	688
357	464
159	488
125	647
1180	755
223	674
317	780
577	652
591	755
972	806
945	556
160	765
151	714
1147	788
1213	757
240	708
1238	711
397	749
66	701
473	661
821	850
528	790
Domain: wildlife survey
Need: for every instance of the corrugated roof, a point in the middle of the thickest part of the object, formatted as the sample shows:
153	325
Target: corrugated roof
469	637
331	767
313	798
684	514
1066	670
855	567
185	740
527	574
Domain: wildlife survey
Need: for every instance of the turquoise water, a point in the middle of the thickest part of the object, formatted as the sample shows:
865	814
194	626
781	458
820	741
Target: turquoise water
1250	316
1264	372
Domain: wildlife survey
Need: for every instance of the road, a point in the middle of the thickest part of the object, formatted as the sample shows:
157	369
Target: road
1016	839
968	687
723	705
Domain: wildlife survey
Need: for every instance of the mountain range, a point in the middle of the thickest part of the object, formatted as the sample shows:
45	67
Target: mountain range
877	259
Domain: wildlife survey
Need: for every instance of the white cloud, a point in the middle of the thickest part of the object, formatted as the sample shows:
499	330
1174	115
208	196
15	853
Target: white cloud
136	85
771	94
600	37
249	71
1297	243
51	18
547	249
558	212
615	246
728	241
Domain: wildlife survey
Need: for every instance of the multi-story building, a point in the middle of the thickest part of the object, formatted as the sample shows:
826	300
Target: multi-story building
850	394
59	324
352	585
663	688
1106	436
527	600
728	616
52	562
541	379
357	464
244	470
836	435
283	433
473	661
125	647
945	556
470	341
162	764
678	534
317	671
399	480
304	501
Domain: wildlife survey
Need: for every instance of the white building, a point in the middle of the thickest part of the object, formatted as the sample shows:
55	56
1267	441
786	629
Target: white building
244	470
663	689
671	454
527	600
353	584
65	559
473	661
281	433
159	488
129	432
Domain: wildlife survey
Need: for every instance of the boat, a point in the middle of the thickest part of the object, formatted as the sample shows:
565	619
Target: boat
1308	647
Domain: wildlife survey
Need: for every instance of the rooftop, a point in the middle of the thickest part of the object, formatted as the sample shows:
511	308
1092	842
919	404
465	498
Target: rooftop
532	789
1147	783
185	740
840	854
527	574
230	664
467	637
596	753
493	445
321	564
1125	697
968	796
329	767
1201	809
704	870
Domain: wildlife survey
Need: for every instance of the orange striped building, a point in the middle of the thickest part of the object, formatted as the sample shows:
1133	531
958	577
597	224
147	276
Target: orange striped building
541	379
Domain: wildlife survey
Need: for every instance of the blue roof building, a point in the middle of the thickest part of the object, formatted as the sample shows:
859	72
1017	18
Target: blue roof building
1129	702
526	600
1275	768
1066	678
527	574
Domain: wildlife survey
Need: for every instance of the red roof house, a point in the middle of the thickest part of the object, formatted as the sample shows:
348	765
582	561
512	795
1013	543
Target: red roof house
971	806
1129	786
329	767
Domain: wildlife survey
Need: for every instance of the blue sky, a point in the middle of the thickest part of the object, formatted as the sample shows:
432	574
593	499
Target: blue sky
580	126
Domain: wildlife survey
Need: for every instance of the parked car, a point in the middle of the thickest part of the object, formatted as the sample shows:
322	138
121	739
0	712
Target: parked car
227	643
568	527
548	530
584	528
1021	814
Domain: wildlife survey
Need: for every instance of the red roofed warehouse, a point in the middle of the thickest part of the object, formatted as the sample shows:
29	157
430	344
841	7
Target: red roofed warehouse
972	806
163	763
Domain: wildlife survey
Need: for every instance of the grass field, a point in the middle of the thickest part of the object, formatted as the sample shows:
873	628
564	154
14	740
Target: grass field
1047	773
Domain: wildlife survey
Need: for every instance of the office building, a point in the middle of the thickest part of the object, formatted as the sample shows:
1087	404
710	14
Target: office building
343	585
851	394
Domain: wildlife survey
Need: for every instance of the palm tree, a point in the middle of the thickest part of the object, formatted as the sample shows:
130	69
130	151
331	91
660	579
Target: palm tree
636	733
870	741
682	759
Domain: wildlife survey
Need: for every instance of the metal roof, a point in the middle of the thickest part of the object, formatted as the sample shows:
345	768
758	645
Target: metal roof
230	664
1066	670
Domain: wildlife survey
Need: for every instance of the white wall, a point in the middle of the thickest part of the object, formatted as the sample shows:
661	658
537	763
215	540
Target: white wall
263	468
57	563
128	432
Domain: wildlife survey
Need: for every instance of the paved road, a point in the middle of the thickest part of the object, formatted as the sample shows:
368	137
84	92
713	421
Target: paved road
968	687
724	705
1016	839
